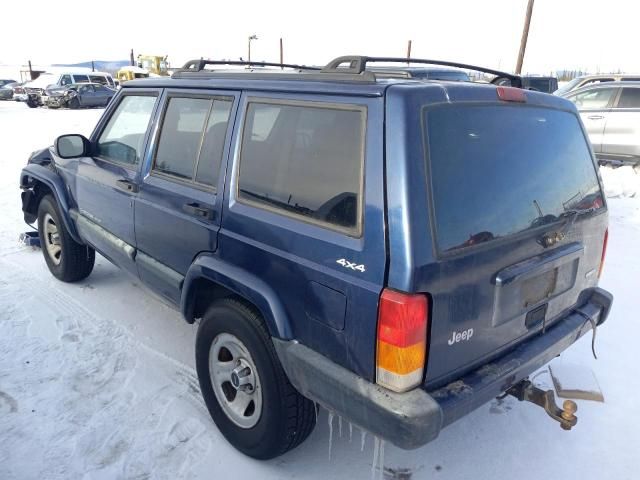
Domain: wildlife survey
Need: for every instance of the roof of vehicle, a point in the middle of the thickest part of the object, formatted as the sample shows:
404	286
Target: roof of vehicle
595	86
607	75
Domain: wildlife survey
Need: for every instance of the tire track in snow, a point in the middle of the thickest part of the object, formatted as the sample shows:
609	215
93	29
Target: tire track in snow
90	399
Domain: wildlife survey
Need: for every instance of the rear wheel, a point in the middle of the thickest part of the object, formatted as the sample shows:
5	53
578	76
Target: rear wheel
244	386
67	259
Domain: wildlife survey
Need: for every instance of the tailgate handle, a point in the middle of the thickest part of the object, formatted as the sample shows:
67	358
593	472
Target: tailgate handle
197	210
127	185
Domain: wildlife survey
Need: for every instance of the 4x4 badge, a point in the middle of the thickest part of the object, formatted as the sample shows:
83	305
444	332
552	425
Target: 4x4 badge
351	265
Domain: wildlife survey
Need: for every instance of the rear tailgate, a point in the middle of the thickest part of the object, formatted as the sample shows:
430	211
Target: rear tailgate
518	221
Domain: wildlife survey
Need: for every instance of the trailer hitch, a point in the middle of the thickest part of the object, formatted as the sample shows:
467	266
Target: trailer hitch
527	391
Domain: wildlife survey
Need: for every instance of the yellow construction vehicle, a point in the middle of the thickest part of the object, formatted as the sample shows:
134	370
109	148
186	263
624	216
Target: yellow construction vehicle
154	64
131	72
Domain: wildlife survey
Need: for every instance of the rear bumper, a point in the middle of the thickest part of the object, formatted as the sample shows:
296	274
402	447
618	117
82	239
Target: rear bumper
411	419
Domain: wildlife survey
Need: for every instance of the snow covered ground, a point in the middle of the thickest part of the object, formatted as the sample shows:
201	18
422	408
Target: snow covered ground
97	379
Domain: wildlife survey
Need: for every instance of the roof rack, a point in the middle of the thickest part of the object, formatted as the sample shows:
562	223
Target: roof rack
355	71
358	64
198	65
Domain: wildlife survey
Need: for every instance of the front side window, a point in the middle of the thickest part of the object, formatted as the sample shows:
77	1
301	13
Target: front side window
305	160
192	139
122	140
629	98
594	99
66	80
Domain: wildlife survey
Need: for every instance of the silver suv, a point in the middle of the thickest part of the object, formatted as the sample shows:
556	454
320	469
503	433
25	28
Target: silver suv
611	114
585	80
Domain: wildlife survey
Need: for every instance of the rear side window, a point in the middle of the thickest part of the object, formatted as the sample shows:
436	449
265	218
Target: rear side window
81	79
99	79
500	170
629	98
192	139
122	140
305	160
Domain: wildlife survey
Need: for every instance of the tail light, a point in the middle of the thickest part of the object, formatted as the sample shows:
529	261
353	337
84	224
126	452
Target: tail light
402	340
511	94
604	251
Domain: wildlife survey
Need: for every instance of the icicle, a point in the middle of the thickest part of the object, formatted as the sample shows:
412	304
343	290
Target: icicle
340	426
330	420
376	453
381	457
363	435
350	432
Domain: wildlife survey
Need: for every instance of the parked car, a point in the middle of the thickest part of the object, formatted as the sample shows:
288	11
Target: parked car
78	95
6	81
585	80
424	73
6	90
540	83
611	115
340	239
35	90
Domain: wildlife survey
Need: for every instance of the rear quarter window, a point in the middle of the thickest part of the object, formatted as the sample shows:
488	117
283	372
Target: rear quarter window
500	170
304	160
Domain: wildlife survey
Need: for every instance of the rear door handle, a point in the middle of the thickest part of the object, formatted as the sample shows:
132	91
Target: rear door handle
595	117
127	185
198	210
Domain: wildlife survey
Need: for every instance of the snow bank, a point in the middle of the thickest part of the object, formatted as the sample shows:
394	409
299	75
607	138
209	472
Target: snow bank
621	182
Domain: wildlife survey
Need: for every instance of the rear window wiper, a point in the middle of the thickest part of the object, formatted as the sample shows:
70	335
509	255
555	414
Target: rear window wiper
569	216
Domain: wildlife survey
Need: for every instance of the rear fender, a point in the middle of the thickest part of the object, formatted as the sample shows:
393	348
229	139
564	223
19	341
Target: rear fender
239	281
33	174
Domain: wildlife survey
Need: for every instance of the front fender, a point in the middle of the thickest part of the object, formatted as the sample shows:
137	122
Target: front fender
33	173
248	286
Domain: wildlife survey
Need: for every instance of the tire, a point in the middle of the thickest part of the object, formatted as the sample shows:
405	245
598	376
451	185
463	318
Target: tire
67	260
74	103
32	104
281	418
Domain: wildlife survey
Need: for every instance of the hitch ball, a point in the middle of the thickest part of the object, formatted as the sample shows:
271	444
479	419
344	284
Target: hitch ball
569	408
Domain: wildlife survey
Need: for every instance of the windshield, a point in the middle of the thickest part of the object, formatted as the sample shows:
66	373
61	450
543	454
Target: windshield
444	75
42	81
567	87
500	170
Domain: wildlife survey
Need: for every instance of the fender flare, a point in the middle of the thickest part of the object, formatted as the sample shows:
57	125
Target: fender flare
248	286
54	182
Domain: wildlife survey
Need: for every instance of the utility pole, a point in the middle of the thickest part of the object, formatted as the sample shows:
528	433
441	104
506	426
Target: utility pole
131	59
252	37
93	66
281	53
525	36
408	51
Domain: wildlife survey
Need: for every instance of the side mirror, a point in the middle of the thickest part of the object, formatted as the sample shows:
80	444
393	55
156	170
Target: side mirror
72	146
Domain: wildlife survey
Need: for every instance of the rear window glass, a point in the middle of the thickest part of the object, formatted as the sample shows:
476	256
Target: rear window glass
500	170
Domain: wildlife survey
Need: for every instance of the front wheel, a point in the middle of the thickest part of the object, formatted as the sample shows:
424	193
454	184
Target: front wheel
74	103
66	259
244	386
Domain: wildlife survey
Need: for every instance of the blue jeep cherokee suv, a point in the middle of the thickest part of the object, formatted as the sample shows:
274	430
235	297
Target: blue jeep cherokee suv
396	250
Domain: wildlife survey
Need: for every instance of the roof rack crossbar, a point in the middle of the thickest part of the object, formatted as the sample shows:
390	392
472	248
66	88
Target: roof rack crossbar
199	65
358	64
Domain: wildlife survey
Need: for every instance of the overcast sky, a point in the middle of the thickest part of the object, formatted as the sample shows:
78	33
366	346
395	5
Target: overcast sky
596	35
